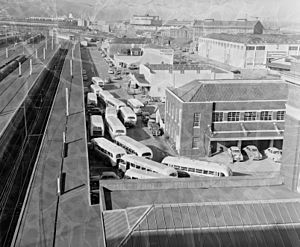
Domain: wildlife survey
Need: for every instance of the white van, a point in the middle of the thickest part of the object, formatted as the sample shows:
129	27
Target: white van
98	81
92	100
127	116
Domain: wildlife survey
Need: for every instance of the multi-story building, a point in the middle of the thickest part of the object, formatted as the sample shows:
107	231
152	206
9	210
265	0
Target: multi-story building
203	117
145	22
204	27
161	76
247	50
183	33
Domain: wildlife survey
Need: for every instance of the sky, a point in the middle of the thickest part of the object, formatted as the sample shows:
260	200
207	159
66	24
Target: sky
270	10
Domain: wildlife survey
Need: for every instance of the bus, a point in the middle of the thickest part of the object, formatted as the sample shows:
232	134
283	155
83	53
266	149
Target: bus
92	100
127	116
134	173
105	95
135	105
197	167
97	81
134	147
115	127
96	89
115	103
129	161
96	126
110	111
108	149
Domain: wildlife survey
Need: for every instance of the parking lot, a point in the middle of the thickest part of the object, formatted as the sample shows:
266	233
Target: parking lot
95	65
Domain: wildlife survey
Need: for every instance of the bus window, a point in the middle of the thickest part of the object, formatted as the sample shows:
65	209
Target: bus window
173	174
143	168
222	174
138	167
118	156
149	170
183	168
199	170
191	169
211	173
177	167
132	165
205	172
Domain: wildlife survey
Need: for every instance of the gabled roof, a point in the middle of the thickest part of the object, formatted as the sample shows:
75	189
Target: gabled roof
130	41
178	23
231	90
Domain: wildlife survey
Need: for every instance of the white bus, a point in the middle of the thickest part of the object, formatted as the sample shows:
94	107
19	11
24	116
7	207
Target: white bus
127	116
135	105
97	81
115	103
110	111
197	167
92	100
132	161
105	95
115	127
96	89
134	147
134	173
108	149
96	126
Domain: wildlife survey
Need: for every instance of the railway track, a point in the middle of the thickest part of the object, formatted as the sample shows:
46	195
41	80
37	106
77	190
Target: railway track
18	159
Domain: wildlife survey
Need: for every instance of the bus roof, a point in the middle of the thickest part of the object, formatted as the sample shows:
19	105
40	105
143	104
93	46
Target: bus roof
110	110
127	110
147	162
92	96
115	122
135	102
145	174
116	101
109	145
97	120
131	143
106	93
198	164
97	79
95	86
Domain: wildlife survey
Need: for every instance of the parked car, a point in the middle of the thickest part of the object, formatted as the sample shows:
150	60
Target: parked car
252	152
110	71
109	175
235	153
117	77
273	153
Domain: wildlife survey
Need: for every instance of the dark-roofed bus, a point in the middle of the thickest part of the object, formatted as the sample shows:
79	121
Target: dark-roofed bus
108	149
197	167
134	147
132	161
133	173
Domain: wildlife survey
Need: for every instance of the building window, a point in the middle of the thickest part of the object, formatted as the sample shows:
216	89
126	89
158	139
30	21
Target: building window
250	116
196	120
249	48
266	115
293	48
233	116
260	47
217	116
280	115
196	142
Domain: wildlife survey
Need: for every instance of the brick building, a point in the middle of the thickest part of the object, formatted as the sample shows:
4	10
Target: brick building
204	116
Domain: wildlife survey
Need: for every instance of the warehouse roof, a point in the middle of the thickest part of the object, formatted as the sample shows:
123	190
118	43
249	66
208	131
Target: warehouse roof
252	223
231	90
225	24
154	67
256	38
176	22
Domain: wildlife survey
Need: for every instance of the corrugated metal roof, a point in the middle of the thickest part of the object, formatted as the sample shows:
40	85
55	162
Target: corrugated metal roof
253	223
232	90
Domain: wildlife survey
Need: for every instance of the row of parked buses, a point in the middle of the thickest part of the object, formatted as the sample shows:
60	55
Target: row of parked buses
133	158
